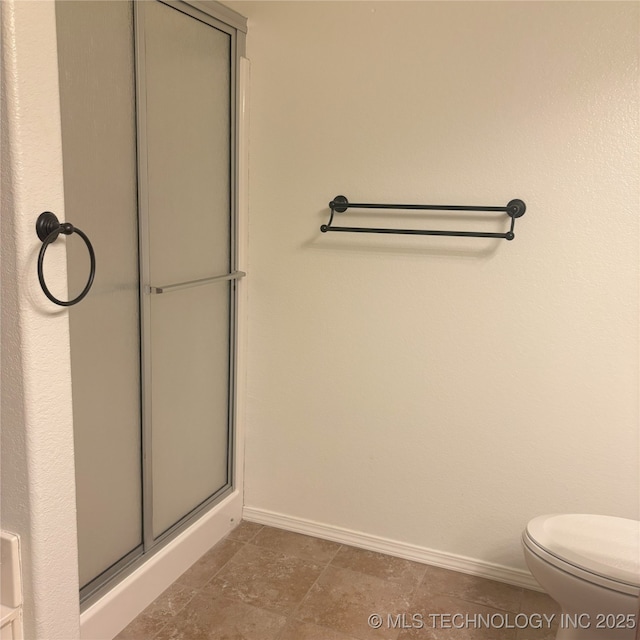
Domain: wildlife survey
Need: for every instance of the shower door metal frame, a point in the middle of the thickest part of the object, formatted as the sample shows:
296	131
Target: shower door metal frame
223	19
228	21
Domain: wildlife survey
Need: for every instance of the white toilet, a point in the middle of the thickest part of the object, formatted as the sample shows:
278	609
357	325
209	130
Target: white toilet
590	565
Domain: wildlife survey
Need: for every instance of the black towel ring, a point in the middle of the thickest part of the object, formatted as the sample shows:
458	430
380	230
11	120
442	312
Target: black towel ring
48	228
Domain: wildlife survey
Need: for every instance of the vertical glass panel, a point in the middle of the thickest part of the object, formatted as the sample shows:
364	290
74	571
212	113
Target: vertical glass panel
187	124
190	389
188	144
95	45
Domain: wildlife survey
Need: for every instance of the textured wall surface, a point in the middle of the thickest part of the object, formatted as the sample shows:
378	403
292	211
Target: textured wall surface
38	486
442	392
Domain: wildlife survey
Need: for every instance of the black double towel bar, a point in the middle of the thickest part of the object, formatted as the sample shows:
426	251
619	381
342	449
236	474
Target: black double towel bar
515	209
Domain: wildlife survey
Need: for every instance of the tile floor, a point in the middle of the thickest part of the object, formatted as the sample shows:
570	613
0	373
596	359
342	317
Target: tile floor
261	583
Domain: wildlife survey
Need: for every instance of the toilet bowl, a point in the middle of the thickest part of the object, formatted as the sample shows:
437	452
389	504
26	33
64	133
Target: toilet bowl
590	565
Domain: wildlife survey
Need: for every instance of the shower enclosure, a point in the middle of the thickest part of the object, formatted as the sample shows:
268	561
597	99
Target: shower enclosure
149	95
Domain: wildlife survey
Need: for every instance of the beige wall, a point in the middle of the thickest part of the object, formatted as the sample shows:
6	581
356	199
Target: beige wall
442	392
38	484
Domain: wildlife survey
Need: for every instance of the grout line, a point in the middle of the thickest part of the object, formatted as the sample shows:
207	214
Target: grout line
414	591
333	557
157	633
291	617
387	546
195	590
299	556
230	535
155	616
224	564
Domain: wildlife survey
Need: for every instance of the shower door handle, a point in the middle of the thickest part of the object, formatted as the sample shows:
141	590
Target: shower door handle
234	275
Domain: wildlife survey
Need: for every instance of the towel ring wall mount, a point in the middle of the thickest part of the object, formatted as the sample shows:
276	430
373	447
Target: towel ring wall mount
48	228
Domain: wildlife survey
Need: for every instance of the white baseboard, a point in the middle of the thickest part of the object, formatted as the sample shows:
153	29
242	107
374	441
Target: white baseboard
463	564
116	609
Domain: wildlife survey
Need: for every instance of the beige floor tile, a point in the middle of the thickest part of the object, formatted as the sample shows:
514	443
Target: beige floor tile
490	593
209	564
297	630
541	632
154	617
245	531
207	618
295	544
543	615
170	602
265	579
343	600
537	602
262	583
446	618
141	628
402	572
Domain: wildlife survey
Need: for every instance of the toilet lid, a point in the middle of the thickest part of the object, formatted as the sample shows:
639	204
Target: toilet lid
603	545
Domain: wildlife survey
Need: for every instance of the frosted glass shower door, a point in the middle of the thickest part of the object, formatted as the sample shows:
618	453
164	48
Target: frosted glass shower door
186	127
97	100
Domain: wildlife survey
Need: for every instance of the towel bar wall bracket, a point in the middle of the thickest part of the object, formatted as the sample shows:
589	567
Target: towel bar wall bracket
514	209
